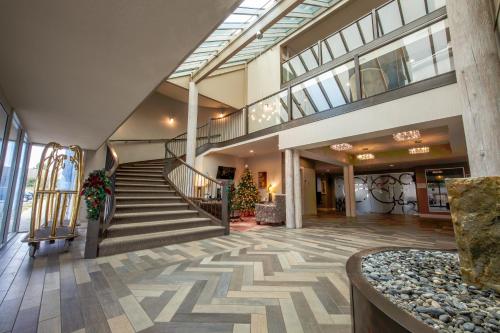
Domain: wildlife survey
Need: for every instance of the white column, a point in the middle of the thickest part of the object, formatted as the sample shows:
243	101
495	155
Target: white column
352	191
475	56
192	124
290	210
297	189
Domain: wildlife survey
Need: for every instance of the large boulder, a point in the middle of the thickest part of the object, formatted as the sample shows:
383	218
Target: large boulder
475	211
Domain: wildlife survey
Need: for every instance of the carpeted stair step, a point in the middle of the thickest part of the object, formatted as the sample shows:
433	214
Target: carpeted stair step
153	216
149	207
154	180
116	245
130	229
136	174
137	186
146	199
140	192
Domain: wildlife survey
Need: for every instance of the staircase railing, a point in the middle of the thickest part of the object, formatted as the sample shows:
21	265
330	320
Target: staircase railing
96	231
109	207
203	193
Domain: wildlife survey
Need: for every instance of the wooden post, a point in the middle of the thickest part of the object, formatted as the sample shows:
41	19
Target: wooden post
478	75
225	206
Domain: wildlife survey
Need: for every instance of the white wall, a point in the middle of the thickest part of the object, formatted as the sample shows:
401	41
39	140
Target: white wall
208	164
228	88
270	163
427	106
95	159
264	75
150	120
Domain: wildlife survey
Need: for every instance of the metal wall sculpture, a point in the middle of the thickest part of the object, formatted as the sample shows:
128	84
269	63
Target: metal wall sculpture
393	193
57	195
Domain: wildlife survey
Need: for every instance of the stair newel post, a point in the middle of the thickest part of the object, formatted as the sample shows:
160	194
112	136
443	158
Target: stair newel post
225	206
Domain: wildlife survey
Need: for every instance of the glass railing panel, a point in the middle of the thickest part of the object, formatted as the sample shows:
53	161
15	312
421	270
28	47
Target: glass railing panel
268	112
324	92
421	55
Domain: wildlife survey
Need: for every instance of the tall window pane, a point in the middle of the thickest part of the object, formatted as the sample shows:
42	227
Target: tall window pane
18	187
8	169
421	55
324	92
389	18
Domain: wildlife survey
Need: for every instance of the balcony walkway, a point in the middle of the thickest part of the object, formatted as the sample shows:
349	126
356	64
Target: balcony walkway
267	280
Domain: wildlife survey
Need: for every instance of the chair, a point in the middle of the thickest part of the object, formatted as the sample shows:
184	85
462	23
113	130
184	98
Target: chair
271	212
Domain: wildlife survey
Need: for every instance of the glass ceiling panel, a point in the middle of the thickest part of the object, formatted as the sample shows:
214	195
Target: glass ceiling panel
241	19
247	13
291	23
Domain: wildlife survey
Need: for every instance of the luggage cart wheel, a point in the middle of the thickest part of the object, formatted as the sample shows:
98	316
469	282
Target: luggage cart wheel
33	248
67	244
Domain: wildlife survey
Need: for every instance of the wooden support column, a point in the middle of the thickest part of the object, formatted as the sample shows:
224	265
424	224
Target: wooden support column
478	75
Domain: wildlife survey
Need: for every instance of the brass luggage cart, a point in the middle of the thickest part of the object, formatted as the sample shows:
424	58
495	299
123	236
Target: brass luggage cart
56	198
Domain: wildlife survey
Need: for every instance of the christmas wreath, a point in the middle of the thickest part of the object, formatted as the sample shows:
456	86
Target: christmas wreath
95	189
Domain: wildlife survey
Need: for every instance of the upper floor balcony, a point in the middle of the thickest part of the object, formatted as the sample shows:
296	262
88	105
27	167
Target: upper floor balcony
380	22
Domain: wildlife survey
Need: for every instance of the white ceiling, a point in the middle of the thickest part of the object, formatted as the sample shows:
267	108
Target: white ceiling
251	148
74	70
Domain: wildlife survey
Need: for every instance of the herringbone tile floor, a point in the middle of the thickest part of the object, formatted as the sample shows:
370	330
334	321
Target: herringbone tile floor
268	280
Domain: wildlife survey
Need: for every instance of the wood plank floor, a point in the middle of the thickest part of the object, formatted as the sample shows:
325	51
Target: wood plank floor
267	280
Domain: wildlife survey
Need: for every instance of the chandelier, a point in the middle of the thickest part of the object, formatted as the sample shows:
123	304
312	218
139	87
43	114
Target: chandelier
407	136
341	147
419	150
365	157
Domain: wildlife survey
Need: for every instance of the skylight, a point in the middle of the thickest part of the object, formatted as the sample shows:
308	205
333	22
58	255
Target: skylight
247	13
241	19
297	18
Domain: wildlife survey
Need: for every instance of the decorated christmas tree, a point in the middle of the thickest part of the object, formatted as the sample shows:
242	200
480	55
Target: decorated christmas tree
247	194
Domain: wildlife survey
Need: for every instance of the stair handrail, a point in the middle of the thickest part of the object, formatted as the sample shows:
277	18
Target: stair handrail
205	194
109	207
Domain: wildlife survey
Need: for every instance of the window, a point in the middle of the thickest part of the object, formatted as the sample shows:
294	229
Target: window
324	92
421	55
8	169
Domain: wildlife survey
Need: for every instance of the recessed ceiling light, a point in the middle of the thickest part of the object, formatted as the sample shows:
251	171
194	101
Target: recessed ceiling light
365	157
341	147
251	151
391	165
419	150
407	136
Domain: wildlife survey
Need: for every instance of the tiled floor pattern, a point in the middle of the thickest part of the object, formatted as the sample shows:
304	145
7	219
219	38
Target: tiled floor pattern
267	280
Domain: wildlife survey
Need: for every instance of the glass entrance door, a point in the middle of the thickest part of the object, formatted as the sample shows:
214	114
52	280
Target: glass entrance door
7	178
18	195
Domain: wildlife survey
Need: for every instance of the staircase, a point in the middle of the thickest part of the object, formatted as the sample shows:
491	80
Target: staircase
149	213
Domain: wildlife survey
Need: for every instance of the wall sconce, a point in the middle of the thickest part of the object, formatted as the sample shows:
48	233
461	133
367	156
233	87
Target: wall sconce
170	120
221	114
